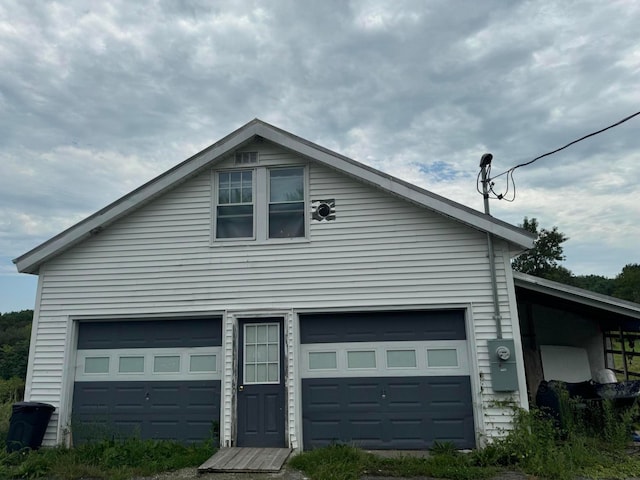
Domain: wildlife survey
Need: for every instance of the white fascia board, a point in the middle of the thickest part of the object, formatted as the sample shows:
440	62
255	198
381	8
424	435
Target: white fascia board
30	261
402	189
575	294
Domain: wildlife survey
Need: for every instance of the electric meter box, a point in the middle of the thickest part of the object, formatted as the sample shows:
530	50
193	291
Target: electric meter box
504	376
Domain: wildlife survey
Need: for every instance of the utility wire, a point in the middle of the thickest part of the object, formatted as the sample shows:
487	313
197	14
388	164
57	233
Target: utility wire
509	173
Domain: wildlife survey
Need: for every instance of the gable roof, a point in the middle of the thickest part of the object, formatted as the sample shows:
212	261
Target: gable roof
30	262
577	295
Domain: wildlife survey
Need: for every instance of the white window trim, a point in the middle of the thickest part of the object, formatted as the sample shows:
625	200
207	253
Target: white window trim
260	207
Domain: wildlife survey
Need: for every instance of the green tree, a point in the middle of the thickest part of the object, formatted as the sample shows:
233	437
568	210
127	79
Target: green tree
627	284
542	260
15	333
595	283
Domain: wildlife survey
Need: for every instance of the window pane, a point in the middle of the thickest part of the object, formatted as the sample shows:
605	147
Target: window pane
262	333
250	332
262	353
273	333
273	372
131	365
322	360
366	359
234	221
235	187
202	363
96	365
286	220
442	357
287	185
261	375
251	353
250	374
401	358
166	364
273	353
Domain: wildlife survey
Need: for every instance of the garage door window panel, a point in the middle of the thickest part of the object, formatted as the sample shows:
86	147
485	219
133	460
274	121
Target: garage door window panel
361	359
401	359
442	357
96	365
202	363
166	364
131	364
323	361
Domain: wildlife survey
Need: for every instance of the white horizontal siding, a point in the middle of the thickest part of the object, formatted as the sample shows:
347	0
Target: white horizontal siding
380	251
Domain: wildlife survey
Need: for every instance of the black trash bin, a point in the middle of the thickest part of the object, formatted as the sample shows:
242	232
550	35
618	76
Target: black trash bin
28	423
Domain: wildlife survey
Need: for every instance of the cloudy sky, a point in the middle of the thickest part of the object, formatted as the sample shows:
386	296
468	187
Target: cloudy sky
96	98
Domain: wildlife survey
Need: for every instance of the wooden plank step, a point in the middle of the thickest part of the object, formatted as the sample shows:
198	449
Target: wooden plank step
246	459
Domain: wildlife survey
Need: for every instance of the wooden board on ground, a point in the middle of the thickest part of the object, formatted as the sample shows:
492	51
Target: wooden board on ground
244	459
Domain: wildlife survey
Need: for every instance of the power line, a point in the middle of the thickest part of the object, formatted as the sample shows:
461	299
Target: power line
509	173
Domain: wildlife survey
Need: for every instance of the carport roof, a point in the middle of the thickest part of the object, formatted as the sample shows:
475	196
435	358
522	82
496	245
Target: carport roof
567	293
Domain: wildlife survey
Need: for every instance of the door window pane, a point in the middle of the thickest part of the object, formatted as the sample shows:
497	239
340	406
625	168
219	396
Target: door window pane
401	358
322	360
261	353
286	203
131	365
202	363
166	364
442	357
96	365
364	359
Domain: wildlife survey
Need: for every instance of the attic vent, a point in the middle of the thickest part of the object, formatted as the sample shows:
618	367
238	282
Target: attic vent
245	158
323	210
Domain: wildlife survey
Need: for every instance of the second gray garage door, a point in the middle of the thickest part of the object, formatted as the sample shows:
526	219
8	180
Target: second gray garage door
386	380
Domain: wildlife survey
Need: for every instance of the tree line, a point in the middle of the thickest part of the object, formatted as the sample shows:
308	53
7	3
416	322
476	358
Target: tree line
543	260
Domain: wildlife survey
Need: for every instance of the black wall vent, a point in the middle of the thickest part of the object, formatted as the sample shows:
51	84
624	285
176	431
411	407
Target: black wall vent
323	210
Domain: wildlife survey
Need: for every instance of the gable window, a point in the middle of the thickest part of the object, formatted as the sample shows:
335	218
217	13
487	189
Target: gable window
262	204
234	211
286	202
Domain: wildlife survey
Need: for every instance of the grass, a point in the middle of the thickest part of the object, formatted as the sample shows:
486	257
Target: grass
117	460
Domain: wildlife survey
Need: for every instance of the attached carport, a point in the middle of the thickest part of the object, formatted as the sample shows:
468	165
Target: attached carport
558	315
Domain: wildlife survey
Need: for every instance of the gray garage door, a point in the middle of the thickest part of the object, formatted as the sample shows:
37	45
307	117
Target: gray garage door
386	380
153	379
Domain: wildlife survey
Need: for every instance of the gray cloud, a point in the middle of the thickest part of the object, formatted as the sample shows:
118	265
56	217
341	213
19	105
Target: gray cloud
97	98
